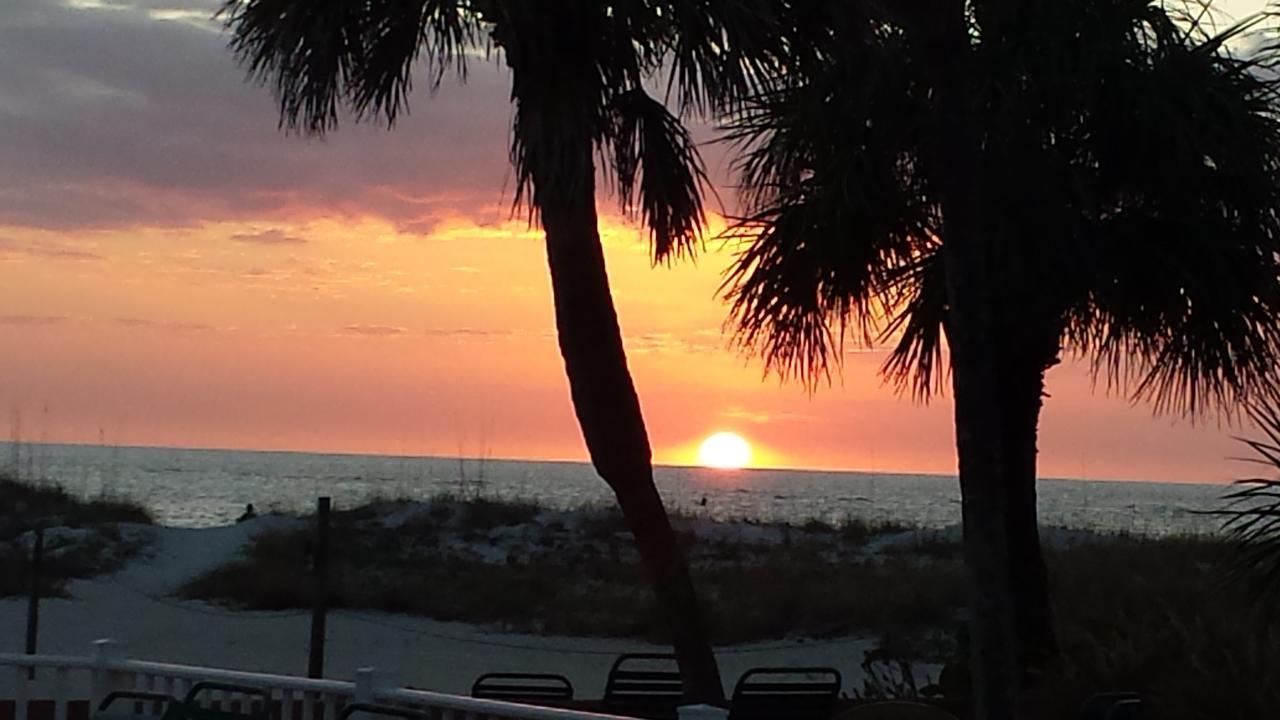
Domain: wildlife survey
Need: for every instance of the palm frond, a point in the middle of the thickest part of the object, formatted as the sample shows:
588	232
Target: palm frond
837	211
724	51
659	173
306	51
916	364
404	35
1183	304
1253	515
319	56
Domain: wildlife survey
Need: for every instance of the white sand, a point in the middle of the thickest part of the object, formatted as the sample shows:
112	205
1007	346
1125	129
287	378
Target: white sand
132	606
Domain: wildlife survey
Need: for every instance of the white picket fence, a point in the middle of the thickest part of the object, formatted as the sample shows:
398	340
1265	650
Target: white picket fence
68	678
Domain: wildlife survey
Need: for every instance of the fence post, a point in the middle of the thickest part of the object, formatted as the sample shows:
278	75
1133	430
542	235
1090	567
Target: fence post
319	608
33	602
107	655
372	682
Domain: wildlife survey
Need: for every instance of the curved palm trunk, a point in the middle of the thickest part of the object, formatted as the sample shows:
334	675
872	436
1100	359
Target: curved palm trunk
1022	394
608	411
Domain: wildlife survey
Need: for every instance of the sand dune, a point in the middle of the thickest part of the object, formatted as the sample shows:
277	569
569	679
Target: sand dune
133	607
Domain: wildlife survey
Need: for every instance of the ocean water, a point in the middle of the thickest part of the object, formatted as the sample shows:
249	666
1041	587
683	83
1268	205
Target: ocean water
202	488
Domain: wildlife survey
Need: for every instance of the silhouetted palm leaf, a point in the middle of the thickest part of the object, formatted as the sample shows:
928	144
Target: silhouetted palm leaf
1138	169
654	159
839	219
1253	514
320	56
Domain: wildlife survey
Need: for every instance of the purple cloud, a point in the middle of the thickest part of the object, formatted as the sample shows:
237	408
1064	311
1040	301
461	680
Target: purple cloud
269	237
120	117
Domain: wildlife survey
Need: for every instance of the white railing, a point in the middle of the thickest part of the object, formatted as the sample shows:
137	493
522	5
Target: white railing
65	679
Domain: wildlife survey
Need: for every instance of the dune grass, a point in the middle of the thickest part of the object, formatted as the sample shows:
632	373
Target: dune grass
83	538
578	573
1152	615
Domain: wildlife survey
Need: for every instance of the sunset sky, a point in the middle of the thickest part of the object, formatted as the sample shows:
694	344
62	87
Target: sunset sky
176	271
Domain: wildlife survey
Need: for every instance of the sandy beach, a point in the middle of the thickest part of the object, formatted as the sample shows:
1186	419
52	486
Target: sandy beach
133	606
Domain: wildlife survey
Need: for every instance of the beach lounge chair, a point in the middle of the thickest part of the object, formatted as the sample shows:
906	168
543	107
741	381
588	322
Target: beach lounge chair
790	693
1112	706
382	711
895	710
644	685
133	705
533	688
253	704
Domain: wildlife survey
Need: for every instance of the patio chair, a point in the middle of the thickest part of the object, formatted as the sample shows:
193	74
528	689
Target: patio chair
195	706
644	685
163	707
895	710
1112	706
534	688
382	711
793	693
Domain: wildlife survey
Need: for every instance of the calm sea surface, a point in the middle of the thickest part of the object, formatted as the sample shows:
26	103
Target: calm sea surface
200	488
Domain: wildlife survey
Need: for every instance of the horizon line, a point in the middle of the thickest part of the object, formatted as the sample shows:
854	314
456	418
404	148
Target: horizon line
586	461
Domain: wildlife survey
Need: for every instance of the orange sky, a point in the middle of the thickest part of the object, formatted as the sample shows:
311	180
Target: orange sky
173	271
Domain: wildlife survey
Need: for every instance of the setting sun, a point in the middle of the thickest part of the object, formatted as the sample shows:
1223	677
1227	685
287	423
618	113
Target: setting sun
724	450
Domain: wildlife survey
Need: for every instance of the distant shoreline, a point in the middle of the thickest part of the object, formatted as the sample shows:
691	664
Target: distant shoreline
350	454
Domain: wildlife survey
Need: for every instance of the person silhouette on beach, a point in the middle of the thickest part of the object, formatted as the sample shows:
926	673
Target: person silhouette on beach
249	513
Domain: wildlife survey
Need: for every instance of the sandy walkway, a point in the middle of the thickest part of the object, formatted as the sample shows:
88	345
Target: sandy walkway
132	607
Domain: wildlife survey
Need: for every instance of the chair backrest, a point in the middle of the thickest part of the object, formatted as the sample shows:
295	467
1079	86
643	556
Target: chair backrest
137	703
193	709
522	687
895	710
382	710
1112	706
794	693
645	685
1128	709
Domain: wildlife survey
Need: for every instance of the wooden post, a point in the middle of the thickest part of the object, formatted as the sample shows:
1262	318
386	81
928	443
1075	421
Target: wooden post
319	608
33	602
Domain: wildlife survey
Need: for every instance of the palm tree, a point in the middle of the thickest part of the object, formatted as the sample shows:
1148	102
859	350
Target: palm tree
1018	180
577	77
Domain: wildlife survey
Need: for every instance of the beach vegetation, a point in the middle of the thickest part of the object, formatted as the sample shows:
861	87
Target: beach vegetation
578	572
82	537
905	585
486	514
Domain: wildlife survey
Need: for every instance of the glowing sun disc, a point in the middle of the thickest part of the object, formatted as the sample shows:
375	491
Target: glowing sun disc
724	451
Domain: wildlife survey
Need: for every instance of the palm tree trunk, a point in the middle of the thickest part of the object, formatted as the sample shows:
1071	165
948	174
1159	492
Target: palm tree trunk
1022	397
975	381
608	410
992	628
